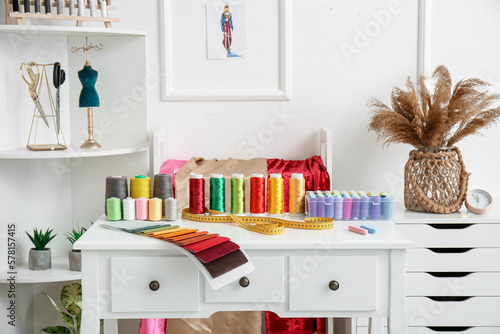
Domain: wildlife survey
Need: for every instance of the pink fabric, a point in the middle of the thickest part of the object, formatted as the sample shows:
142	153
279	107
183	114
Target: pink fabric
153	326
171	167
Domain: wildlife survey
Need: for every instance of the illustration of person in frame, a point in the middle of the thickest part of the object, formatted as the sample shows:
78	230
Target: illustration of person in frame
226	24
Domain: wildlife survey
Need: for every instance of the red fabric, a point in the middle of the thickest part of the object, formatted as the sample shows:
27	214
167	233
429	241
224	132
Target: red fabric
215	252
277	325
205	244
227	39
314	171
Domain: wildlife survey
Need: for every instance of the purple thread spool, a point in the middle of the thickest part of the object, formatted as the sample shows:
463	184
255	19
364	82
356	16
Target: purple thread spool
347	207
321	206
364	207
339	207
376	208
313	206
356	207
329	205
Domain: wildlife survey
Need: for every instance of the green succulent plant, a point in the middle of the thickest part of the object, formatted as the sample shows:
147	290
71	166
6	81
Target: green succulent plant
40	239
75	234
71	299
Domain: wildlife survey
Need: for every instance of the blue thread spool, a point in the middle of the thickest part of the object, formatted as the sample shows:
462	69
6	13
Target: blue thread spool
364	211
356	206
375	207
339	207
387	207
329	205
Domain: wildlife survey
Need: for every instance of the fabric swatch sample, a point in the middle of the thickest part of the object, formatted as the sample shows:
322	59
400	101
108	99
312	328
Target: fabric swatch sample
215	252
186	236
195	240
226	263
202	245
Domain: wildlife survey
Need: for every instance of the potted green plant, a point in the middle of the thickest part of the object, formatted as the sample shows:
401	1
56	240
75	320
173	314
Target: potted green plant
75	255
40	257
71	299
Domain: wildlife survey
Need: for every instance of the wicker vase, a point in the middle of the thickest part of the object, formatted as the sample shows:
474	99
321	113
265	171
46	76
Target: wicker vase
435	180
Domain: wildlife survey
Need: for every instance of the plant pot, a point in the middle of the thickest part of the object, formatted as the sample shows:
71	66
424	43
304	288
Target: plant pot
39	259
75	260
435	180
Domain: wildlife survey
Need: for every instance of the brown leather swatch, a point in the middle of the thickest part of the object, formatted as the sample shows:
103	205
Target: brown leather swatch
226	263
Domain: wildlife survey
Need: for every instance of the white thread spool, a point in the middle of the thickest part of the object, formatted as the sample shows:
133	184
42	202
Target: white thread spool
72	7
81	8
92	7
104	8
129	208
171	209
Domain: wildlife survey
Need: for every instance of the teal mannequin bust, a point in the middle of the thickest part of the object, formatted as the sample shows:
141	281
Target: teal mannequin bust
88	96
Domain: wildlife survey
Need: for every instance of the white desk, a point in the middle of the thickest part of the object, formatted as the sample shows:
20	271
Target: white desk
292	276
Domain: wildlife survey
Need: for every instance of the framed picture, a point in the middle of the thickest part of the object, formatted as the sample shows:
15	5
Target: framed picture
225	51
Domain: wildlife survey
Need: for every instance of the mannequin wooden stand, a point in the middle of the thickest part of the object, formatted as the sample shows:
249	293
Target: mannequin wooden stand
9	14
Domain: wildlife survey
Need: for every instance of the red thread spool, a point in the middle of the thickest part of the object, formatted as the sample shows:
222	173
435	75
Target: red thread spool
197	194
257	194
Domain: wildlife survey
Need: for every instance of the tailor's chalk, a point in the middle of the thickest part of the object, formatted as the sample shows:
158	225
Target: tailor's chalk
369	229
358	230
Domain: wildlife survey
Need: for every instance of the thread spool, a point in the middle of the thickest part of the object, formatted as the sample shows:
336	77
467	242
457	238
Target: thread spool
329	205
347	206
375	207
128	208
104	8
140	186
364	212
218	193
338	207
276	194
321	207
387	207
72	7
257	194
92	7
59	4
162	187
141	208
356	206
171	209
81	8
297	193
197	194
238	194
114	206
155	209
116	186
37	7
313	204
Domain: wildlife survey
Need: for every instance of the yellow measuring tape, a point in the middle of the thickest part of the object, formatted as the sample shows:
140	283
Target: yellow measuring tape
264	225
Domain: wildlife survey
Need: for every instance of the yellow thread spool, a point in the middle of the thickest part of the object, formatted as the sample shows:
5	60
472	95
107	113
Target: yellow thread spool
140	186
155	209
297	194
276	195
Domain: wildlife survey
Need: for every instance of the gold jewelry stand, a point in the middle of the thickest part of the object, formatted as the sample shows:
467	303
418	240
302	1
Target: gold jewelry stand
36	115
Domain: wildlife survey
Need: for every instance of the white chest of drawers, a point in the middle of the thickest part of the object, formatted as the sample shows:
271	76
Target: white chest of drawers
301	273
453	273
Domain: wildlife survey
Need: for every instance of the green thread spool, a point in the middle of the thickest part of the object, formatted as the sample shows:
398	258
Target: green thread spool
237	194
114	205
218	193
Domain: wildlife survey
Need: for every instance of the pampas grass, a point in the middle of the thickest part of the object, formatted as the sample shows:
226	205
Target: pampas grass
441	118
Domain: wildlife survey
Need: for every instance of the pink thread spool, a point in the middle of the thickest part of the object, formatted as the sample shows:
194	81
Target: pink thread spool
142	208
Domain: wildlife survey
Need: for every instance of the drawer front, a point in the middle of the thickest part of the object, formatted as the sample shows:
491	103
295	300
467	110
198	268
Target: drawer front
265	284
477	259
475	311
434	330
472	284
178	284
461	235
310	279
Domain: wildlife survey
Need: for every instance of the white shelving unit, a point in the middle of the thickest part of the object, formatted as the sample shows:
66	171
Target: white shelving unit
63	189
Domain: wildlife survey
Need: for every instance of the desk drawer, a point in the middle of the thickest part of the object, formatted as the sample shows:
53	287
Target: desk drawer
453	284
265	284
475	311
477	259
177	278
310	280
453	235
441	330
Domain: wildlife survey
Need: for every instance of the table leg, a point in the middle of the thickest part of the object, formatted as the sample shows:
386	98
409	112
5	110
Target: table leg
110	326
376	326
397	322
90	295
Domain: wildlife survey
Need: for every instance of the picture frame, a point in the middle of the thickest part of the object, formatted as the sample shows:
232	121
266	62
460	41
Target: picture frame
187	74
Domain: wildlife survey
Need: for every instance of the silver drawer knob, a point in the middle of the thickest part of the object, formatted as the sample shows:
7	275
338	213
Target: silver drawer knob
154	285
244	282
334	285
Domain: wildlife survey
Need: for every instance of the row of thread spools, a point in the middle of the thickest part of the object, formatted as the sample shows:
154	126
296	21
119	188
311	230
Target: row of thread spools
275	185
140	205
